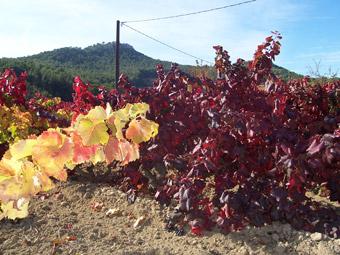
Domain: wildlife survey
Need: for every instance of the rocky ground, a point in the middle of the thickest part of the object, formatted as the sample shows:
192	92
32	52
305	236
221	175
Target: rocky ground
87	218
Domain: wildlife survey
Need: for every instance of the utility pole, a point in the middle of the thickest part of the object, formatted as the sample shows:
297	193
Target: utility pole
117	50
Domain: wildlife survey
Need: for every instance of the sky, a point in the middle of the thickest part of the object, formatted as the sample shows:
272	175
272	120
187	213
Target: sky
310	28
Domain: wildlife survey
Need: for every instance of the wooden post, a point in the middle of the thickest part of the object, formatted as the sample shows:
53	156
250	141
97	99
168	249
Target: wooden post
117	50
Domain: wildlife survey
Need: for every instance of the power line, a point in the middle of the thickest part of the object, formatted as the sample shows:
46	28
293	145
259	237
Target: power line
187	14
165	44
177	16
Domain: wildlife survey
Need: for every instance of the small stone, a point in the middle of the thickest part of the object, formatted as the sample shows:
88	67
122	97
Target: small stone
139	222
113	248
157	235
113	212
279	250
59	196
64	203
102	234
76	198
301	237
28	241
202	247
87	195
93	236
97	206
110	193
216	240
41	222
61	232
46	208
82	189
242	251
287	231
316	236
121	231
139	241
275	237
52	217
83	248
336	247
174	215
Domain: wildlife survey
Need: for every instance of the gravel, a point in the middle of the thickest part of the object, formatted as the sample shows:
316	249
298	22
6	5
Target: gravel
66	222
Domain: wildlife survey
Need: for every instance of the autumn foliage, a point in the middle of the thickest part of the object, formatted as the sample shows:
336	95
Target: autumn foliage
243	149
28	166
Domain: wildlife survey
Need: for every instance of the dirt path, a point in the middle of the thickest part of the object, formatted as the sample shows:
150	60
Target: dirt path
72	219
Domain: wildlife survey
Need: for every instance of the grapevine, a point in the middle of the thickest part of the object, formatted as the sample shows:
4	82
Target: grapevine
94	137
244	149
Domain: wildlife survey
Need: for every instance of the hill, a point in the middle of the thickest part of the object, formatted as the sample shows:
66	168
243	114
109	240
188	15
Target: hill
52	72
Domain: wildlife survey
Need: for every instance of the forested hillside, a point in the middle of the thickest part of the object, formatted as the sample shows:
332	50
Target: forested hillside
52	72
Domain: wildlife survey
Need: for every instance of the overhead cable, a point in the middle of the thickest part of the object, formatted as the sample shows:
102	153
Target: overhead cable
190	13
165	44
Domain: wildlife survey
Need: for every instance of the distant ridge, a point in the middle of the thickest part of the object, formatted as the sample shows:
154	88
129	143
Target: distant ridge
52	72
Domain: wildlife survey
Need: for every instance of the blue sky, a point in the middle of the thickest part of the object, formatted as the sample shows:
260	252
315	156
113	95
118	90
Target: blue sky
310	28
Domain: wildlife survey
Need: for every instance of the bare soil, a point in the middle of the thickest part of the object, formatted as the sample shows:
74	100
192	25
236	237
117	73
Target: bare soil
72	219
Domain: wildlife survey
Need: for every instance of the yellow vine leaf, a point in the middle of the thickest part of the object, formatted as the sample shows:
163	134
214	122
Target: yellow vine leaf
4	177
92	128
138	109
108	110
121	150
61	175
141	130
82	153
99	156
44	181
70	165
14	209
96	114
117	120
7	166
27	166
20	178
52	151
110	122
92	133
22	148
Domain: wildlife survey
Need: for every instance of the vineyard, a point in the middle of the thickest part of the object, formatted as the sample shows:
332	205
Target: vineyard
246	149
